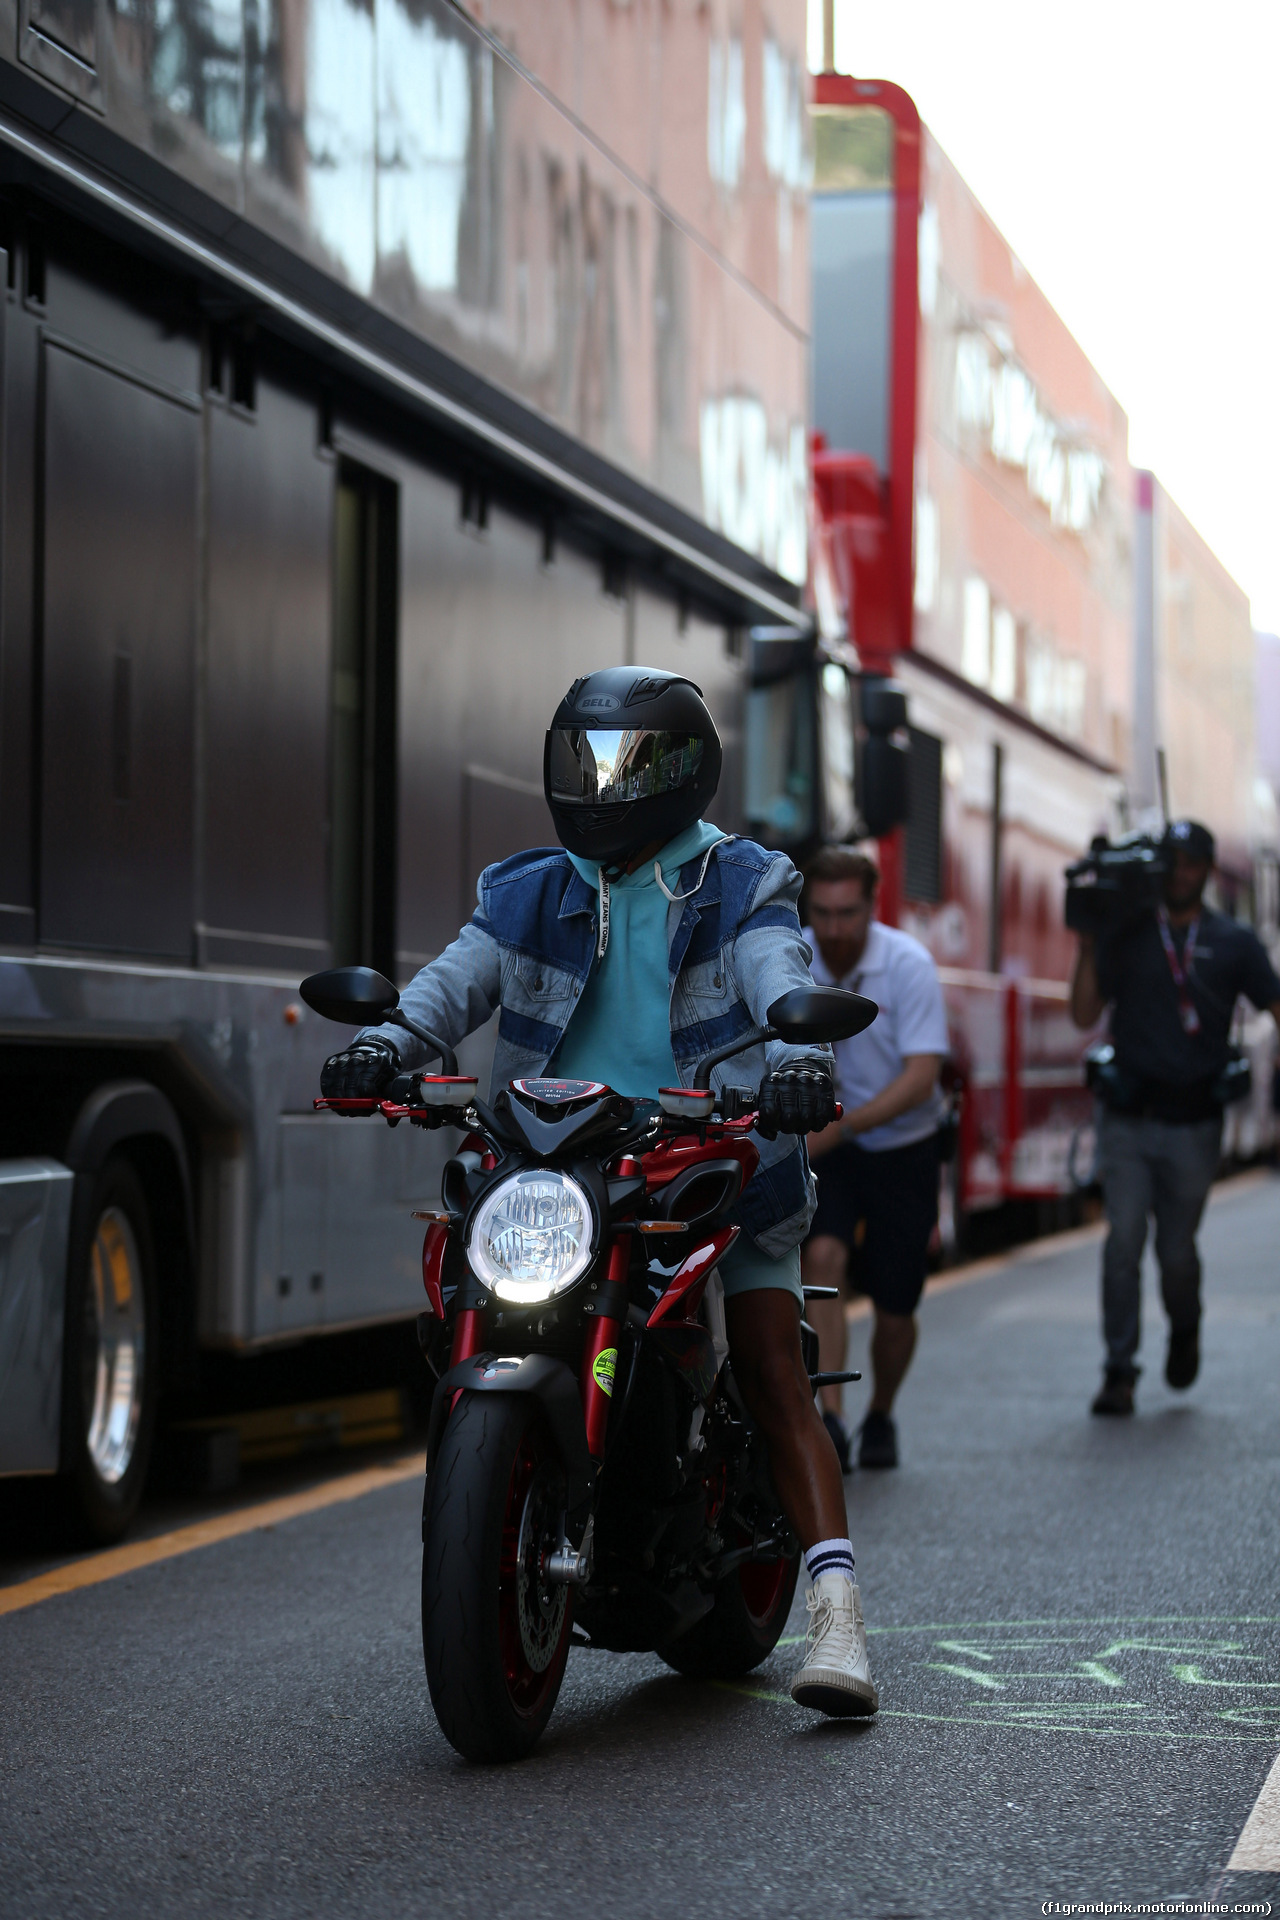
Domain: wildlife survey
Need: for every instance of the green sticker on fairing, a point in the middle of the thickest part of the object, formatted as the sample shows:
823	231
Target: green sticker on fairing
603	1369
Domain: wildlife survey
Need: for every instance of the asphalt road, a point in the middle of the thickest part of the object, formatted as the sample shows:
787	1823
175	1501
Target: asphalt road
1075	1629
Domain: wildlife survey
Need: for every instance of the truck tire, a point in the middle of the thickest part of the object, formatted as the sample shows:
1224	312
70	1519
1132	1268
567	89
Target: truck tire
495	1637
743	1627
111	1352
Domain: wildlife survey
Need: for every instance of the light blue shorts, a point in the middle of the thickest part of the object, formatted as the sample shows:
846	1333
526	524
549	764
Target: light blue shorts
745	1269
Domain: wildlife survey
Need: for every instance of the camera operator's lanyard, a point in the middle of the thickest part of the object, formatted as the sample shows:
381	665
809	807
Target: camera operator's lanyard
1186	1006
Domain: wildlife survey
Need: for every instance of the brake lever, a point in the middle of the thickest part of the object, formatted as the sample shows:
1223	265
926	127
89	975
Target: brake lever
740	1103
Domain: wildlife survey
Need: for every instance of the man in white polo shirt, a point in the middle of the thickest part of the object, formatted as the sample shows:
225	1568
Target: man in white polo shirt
877	1167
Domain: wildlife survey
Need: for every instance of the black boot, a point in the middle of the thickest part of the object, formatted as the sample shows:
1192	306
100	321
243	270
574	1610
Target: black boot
1115	1395
1182	1362
878	1446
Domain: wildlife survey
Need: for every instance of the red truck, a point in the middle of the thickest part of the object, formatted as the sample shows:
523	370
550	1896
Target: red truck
970	541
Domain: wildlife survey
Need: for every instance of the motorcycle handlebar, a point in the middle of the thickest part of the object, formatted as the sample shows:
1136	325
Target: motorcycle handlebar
729	1110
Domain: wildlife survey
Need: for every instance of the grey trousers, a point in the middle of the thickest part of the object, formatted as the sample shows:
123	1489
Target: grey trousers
1149	1167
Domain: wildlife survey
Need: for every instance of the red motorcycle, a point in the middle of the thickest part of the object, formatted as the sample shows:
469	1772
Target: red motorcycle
593	1476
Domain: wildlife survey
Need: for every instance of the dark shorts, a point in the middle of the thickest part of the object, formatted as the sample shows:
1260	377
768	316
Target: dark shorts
893	1196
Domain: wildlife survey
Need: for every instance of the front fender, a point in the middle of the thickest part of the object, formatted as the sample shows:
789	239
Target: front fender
551	1383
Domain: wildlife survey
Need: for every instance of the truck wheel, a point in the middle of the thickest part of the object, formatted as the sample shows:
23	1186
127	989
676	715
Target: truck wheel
495	1636
110	1356
743	1627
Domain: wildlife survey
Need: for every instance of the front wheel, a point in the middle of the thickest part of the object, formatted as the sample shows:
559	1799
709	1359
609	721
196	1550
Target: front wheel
743	1627
495	1635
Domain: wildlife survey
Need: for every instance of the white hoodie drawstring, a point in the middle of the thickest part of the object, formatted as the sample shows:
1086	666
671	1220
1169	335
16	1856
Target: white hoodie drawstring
675	898
602	887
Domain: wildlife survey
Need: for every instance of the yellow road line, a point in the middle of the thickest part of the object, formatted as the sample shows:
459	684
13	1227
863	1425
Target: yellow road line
860	1309
110	1564
1029	1251
96	1567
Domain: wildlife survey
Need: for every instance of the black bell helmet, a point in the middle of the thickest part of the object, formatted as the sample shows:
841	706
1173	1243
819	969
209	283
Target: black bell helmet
632	756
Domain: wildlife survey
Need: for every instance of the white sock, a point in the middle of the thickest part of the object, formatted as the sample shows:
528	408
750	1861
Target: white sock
831	1556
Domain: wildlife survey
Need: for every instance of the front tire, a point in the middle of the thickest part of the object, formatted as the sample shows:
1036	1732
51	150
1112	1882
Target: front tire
495	1636
743	1627
111	1352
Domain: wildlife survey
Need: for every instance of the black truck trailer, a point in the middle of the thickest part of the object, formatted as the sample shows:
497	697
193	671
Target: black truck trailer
297	552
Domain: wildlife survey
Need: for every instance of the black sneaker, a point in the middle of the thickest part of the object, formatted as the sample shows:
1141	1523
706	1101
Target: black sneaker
1115	1395
839	1438
1182	1362
878	1444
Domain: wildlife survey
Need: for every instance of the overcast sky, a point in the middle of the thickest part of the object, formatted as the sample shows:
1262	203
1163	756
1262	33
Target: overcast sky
1130	154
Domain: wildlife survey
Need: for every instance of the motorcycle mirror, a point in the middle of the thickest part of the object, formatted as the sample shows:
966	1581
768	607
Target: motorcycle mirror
358	996
804	1015
808	1014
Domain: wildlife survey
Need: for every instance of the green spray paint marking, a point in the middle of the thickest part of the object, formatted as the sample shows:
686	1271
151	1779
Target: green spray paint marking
1105	1676
1103	1620
1020	1724
967	1673
1115	1655
1191	1676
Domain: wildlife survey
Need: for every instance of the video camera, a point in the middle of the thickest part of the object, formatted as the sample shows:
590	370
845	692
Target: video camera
1115	882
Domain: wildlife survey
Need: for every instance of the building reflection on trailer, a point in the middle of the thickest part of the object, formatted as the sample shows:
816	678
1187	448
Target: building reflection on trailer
301	547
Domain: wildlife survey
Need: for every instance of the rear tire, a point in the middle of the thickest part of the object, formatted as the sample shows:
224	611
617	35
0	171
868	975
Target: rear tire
111	1355
495	1637
743	1627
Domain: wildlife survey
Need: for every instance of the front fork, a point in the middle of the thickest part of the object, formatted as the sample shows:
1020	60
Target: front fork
606	1307
468	1334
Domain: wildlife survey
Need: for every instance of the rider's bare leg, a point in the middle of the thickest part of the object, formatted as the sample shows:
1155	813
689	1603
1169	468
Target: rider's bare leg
764	1341
824	1261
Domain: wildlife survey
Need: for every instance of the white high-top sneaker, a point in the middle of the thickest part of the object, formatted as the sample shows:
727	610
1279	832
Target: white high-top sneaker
836	1676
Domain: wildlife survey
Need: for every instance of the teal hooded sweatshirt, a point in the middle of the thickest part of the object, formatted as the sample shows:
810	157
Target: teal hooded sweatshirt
621	1027
620	1031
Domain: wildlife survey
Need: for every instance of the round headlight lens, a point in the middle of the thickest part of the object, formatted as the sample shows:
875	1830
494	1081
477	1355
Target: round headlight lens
532	1237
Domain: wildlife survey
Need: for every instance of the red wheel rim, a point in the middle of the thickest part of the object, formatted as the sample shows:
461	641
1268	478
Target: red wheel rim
533	1645
762	1583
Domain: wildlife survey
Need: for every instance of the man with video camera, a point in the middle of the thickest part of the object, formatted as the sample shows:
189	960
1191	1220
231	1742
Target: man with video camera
1171	970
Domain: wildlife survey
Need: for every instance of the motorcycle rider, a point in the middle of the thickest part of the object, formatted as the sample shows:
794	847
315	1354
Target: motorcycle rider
645	940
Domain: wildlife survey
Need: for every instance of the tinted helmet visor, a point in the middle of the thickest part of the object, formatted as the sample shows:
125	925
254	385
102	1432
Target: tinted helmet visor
612	766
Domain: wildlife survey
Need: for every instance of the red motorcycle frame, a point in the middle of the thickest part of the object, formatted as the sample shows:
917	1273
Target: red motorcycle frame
592	1467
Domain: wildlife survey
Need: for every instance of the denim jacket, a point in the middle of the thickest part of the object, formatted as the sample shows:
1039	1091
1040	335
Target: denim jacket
733	947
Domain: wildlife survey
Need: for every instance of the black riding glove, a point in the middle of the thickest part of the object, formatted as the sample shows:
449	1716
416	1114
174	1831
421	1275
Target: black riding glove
361	1073
796	1100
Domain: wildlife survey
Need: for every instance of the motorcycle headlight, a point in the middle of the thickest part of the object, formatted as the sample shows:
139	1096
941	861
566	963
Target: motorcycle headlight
532	1237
